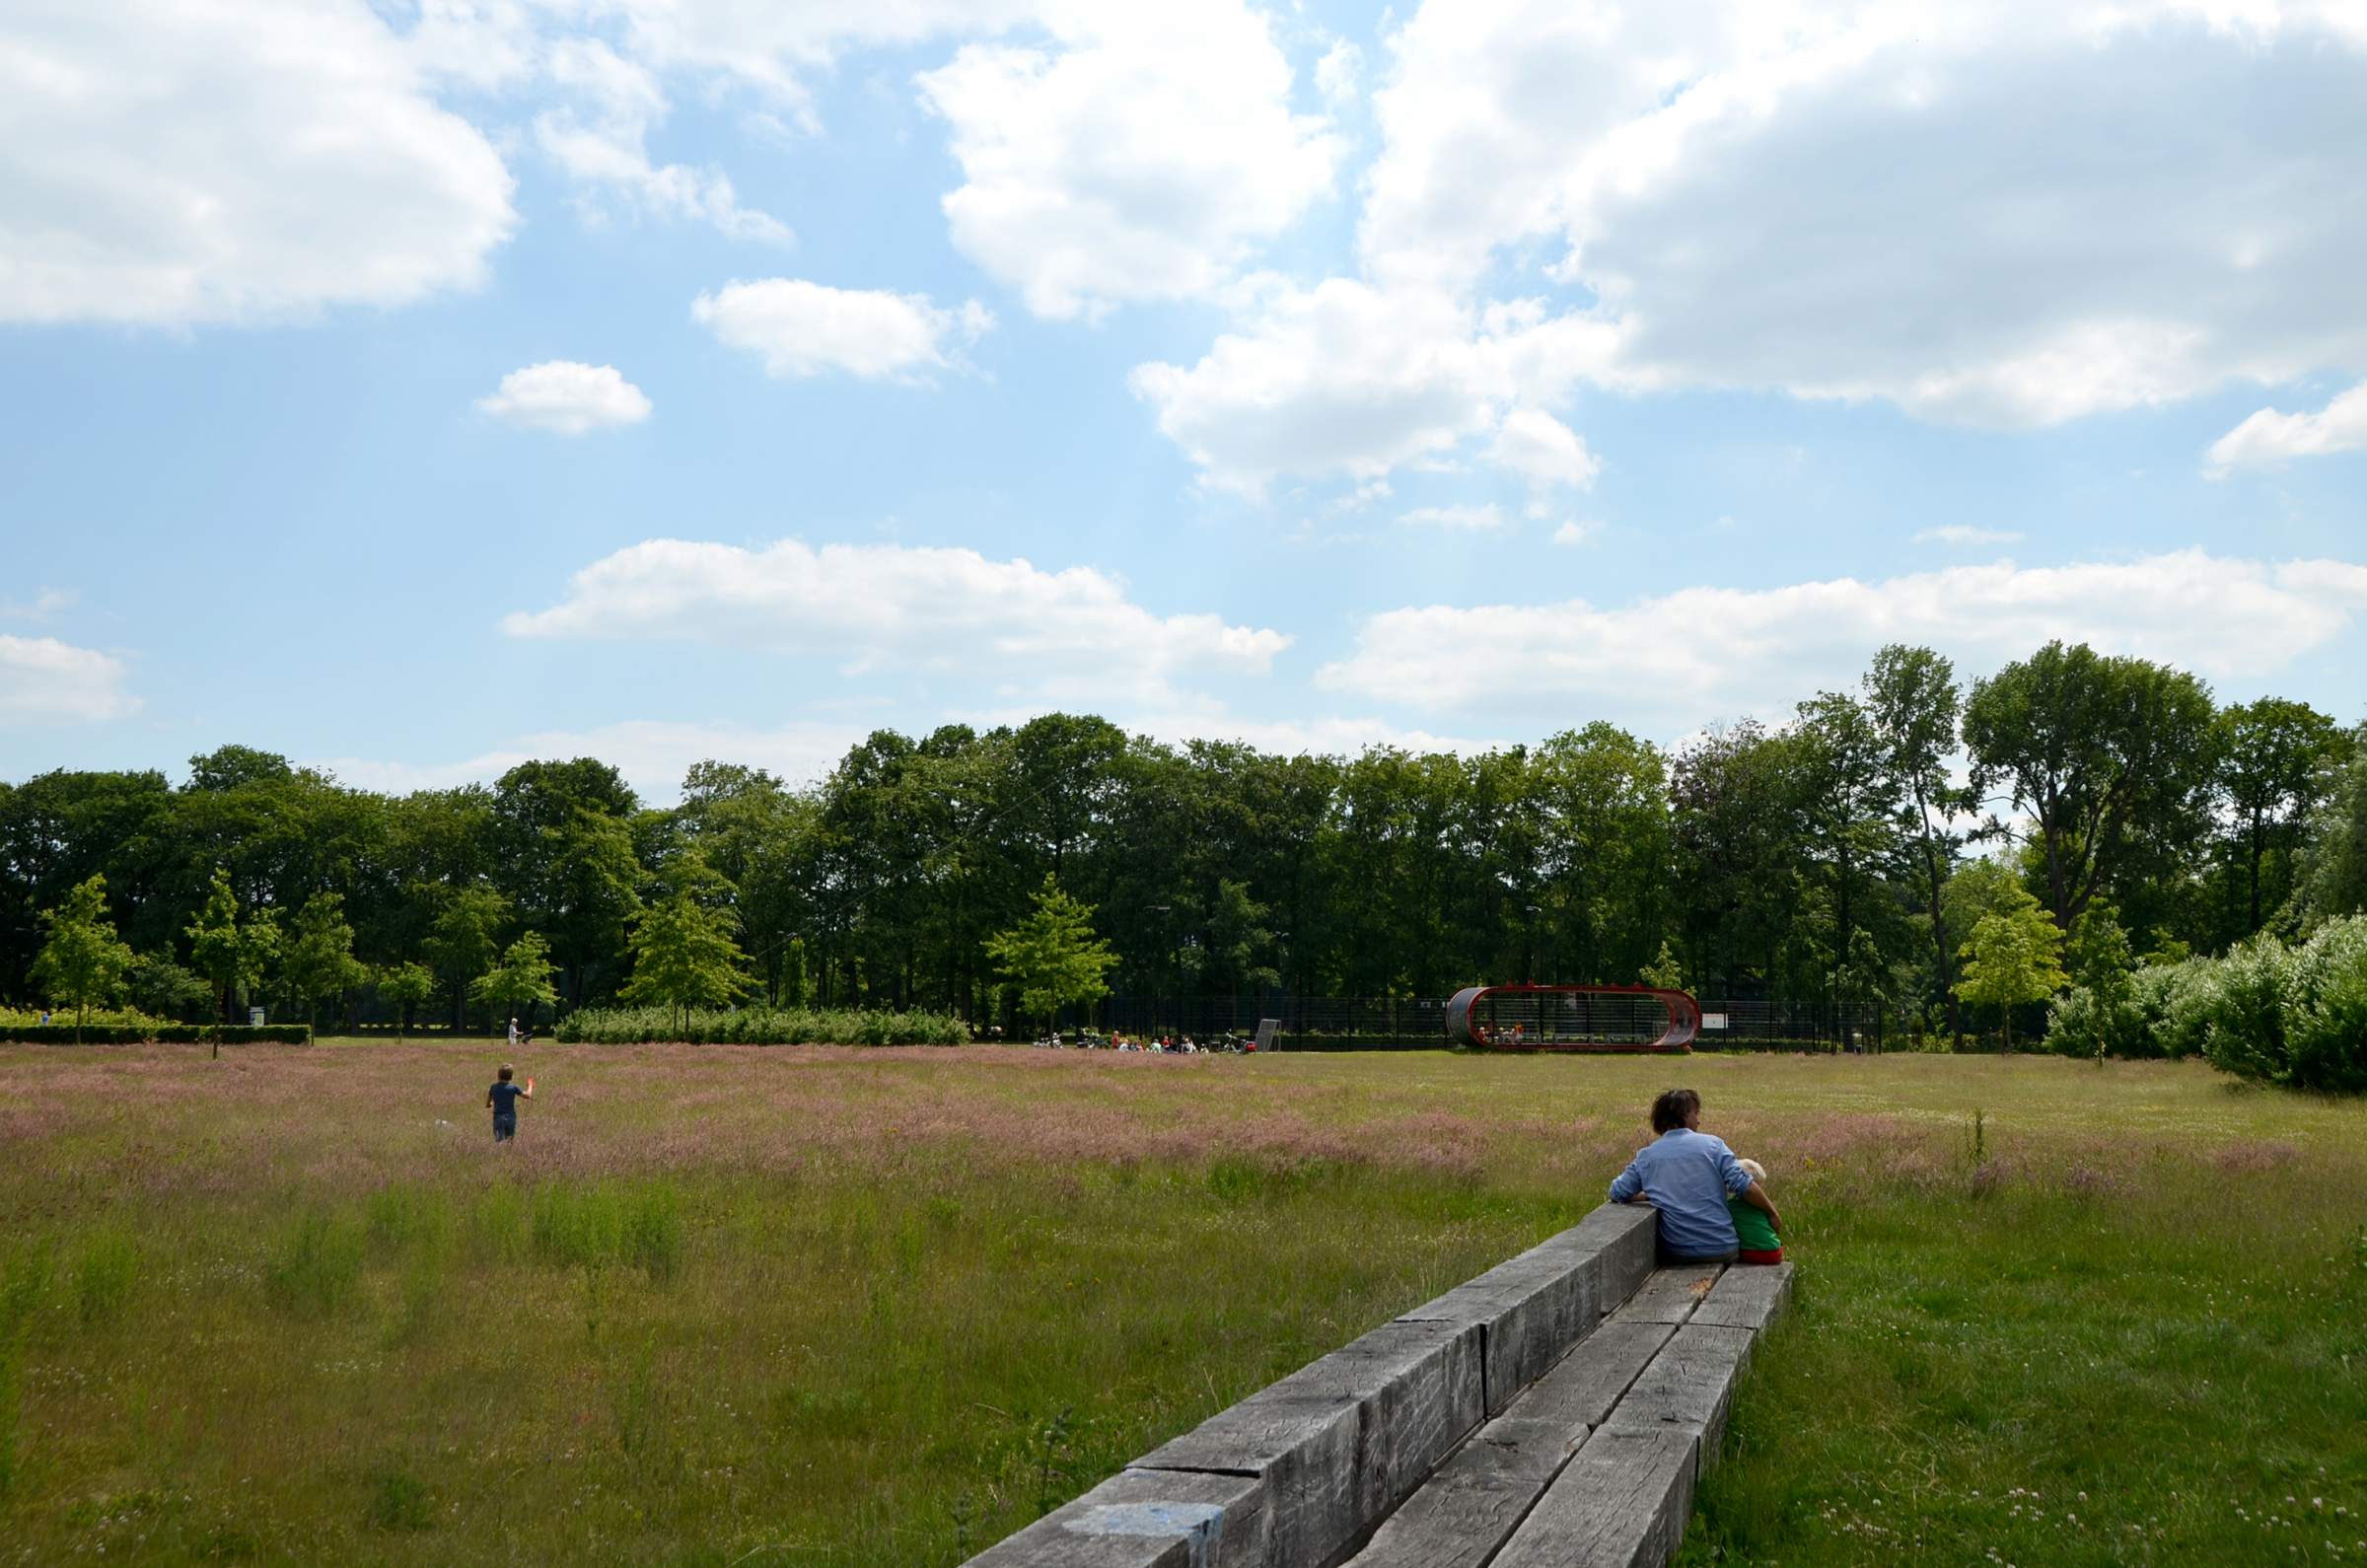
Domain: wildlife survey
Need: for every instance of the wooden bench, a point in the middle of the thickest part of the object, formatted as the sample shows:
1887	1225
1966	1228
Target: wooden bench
1557	1408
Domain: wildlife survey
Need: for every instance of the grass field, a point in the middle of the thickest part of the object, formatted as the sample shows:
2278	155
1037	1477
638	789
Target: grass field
749	1305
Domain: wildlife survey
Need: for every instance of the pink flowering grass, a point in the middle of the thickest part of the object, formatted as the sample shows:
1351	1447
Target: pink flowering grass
816	1305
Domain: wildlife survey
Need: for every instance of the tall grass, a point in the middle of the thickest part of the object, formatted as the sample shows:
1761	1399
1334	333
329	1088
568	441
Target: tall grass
760	1026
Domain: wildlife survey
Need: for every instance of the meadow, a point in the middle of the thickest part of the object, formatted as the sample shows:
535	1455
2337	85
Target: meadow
739	1305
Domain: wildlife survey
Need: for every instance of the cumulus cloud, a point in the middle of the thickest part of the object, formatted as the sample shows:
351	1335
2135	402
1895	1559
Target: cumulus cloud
196	163
1967	534
1576	533
1539	447
1678	659
1054	635
44	680
801	328
563	395
602	140
1141	154
2268	438
2009	215
1348	378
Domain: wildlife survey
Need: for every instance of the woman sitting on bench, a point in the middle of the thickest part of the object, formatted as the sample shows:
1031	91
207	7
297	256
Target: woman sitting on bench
1688	1176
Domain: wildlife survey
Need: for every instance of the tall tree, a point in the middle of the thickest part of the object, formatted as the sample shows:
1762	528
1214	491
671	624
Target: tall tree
1912	700
408	987
522	975
230	953
2273	758
82	961
2110	757
683	957
318	959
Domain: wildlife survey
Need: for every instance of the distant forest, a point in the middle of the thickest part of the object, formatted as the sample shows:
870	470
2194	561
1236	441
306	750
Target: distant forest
1838	857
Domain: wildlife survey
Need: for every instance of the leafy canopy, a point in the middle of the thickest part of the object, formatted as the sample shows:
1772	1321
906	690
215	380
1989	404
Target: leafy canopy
1052	956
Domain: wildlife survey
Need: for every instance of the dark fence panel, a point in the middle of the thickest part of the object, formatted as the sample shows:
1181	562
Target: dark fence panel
1380	1023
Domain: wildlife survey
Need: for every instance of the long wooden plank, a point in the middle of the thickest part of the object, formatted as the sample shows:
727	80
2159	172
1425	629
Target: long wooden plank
1670	1295
1620	1503
1689	1387
1746	1296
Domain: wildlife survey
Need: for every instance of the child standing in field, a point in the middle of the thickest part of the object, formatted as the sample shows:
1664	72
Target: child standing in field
503	1096
1689	1177
1753	1230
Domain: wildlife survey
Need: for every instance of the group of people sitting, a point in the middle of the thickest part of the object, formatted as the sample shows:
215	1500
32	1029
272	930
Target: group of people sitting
1166	1044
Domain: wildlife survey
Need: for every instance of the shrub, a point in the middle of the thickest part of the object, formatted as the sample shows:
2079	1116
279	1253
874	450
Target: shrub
152	1032
760	1026
2243	1012
2324	1008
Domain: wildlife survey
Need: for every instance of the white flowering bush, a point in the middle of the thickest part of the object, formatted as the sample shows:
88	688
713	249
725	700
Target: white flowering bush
2324	1008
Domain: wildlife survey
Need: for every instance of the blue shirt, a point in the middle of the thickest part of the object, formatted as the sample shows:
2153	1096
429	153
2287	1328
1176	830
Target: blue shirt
505	1101
1688	1176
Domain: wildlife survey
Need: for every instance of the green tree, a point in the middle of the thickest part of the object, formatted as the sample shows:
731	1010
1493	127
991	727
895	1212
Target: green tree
2111	757
522	975
1051	957
1912	700
318	959
462	941
2333	882
408	987
683	957
2271	767
1664	972
162	988
231	955
2103	961
82	961
2013	956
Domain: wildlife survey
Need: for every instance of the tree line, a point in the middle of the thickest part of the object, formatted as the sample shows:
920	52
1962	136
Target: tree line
1848	855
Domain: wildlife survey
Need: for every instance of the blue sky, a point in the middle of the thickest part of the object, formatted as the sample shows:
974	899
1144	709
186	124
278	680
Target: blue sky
418	387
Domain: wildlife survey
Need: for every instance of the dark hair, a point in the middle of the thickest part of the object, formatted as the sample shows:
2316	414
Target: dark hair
505	1072
1671	1109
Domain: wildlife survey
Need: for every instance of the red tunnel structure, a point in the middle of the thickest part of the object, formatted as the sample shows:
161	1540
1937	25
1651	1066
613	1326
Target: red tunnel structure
1573	1018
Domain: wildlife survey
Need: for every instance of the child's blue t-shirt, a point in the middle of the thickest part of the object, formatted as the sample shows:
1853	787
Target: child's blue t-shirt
505	1099
1688	1176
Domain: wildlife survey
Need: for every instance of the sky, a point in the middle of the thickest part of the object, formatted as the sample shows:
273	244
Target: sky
416	387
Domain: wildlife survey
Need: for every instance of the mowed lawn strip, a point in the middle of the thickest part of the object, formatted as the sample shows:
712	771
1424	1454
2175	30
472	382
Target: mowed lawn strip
839	1306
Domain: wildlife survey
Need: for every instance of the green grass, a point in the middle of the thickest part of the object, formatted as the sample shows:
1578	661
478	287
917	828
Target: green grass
735	1304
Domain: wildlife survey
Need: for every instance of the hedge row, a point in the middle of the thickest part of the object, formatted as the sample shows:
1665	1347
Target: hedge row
2295	1016
159	1033
760	1026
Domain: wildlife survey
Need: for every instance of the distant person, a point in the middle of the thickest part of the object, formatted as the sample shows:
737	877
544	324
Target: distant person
513	1033
1751	1228
1688	1176
503	1096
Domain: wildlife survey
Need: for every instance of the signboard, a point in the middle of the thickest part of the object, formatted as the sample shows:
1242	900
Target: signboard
1713	1021
255	1016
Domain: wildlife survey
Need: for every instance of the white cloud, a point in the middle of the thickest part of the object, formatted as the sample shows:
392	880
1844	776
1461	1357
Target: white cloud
653	755
563	395
1142	156
188	162
45	602
604	144
1483	518
2268	438
1576	533
1678	659
1350	378
44	680
1339	73
2010	215
1967	534
803	328
1535	444
1054	636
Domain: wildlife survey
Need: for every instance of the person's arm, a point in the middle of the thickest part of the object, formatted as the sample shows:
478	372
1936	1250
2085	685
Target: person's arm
529	1090
488	1099
1628	1185
1757	1197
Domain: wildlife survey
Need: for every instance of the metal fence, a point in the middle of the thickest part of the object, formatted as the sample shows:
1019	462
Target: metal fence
1376	1023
